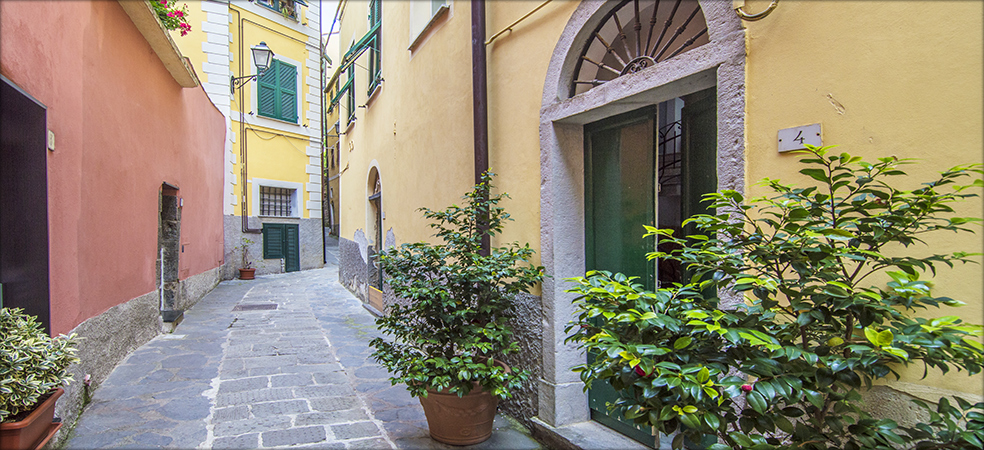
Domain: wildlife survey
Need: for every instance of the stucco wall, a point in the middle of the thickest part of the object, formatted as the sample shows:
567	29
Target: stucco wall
417	130
122	127
882	78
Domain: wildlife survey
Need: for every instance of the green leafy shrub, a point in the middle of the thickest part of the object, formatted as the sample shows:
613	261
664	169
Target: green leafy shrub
456	301
785	368
32	363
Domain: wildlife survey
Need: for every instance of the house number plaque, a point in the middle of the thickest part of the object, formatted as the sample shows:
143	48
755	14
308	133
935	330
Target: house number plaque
795	138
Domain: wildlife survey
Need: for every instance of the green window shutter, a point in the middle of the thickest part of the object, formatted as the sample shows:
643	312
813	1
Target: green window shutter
292	251
287	75
350	94
375	45
273	240
266	87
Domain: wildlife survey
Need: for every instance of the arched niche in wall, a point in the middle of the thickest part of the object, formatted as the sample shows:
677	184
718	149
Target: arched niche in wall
374	232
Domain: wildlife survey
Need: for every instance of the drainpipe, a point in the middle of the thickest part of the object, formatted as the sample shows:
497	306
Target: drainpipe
323	117
480	111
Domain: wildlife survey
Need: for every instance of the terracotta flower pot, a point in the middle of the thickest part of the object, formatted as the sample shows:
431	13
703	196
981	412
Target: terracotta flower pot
247	274
34	431
460	420
463	420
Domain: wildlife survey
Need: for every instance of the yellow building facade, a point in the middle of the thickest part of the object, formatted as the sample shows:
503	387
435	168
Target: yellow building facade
272	198
901	78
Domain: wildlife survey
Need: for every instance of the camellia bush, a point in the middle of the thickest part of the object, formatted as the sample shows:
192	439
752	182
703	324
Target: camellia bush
832	295
453	321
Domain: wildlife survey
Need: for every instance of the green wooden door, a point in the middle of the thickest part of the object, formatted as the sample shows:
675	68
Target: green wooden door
292	251
627	185
282	240
619	199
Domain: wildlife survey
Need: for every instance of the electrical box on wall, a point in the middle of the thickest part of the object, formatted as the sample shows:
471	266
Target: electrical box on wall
796	138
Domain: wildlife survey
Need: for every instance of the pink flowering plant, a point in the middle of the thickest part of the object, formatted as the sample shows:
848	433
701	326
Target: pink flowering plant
786	368
173	17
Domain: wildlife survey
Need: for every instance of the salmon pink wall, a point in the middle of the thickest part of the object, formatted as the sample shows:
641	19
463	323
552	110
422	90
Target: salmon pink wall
122	127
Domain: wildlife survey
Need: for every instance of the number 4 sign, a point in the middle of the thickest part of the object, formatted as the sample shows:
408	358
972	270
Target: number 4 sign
795	138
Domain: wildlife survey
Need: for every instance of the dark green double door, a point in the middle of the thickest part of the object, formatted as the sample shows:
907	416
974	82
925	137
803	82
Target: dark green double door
646	167
281	240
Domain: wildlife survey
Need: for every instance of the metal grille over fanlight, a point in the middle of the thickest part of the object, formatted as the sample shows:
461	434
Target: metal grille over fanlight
635	35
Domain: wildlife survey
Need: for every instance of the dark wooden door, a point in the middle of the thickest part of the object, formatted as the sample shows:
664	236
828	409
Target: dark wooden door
23	203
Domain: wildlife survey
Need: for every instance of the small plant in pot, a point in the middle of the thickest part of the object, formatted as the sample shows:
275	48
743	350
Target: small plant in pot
449	327
33	366
246	269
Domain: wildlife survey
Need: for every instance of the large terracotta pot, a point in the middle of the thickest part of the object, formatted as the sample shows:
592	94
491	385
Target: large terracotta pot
35	430
460	420
247	274
463	420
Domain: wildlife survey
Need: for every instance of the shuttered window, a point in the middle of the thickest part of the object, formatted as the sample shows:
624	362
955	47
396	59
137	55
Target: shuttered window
350	95
375	45
277	92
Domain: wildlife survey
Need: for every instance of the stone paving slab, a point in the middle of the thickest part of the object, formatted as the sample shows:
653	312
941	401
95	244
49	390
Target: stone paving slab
297	376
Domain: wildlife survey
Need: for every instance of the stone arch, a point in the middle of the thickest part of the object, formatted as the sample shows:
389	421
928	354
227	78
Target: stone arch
719	63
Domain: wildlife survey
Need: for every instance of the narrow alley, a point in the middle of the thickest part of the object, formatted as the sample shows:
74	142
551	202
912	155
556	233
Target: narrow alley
278	361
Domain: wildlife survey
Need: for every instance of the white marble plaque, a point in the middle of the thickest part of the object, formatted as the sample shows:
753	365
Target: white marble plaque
795	138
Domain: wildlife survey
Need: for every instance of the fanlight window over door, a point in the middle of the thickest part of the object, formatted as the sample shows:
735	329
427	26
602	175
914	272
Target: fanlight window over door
637	34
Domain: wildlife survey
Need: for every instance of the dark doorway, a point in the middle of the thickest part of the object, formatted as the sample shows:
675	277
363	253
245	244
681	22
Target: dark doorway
375	273
169	251
23	203
650	166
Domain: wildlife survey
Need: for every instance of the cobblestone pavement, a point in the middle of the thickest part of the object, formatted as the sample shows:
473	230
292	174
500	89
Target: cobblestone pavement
298	375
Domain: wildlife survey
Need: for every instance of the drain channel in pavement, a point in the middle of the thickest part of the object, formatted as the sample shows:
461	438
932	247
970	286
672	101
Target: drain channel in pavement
255	307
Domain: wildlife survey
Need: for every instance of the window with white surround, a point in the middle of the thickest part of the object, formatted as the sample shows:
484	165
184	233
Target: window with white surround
286	8
276	198
424	15
276	201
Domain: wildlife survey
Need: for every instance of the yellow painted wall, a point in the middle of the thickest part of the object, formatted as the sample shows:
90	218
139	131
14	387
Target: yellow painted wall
419	127
900	78
190	44
273	154
883	78
397	128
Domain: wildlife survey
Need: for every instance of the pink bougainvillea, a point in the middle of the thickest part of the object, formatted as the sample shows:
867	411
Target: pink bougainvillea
171	16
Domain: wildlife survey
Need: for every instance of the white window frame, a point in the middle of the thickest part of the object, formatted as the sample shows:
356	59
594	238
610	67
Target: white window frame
295	200
269	14
417	37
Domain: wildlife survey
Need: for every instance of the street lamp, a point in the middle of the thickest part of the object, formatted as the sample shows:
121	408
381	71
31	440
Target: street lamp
262	57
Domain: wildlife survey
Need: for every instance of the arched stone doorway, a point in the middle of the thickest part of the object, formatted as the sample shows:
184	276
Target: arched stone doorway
568	119
374	232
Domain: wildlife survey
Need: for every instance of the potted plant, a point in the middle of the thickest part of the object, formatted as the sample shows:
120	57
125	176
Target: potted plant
33	366
246	269
831	281
449	325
